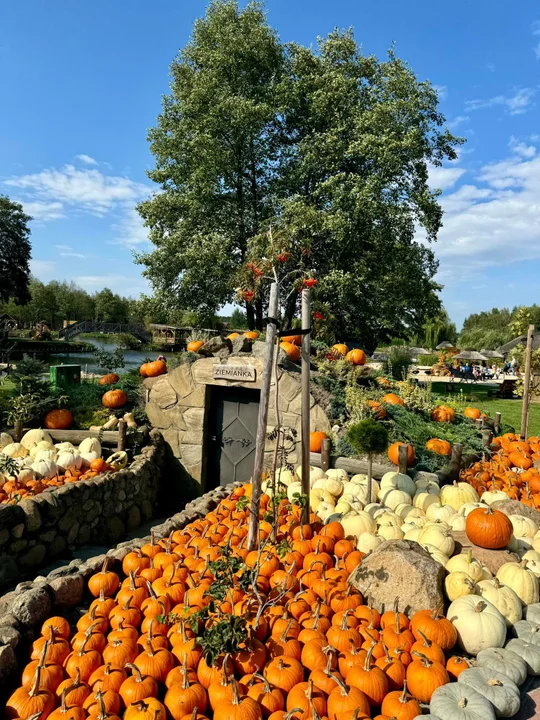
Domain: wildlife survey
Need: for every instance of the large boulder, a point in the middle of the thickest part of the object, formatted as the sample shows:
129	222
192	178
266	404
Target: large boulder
492	559
404	570
216	345
514	507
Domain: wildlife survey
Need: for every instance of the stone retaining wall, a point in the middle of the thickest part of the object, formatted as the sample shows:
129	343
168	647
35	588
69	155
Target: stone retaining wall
62	592
98	511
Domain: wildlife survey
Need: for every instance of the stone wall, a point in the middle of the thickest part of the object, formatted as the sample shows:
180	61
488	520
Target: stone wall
97	511
63	592
177	405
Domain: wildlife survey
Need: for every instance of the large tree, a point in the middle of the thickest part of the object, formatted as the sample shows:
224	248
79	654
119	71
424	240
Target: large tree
317	157
15	251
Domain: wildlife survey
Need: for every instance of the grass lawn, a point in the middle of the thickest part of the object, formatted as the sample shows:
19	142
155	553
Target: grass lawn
511	413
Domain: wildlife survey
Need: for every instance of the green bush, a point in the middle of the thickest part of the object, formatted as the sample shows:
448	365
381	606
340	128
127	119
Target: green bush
399	362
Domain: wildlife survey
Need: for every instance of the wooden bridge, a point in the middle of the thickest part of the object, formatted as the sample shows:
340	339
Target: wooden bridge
89	326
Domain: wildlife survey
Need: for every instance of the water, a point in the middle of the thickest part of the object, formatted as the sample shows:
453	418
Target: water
133	359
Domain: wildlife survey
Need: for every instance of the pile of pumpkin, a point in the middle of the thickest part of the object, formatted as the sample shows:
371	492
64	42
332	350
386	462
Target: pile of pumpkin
511	472
195	345
35	464
314	649
291	344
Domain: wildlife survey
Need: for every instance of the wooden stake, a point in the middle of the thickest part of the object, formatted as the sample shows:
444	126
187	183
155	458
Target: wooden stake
325	454
271	330
455	462
403	459
487	437
122	435
18	430
497	423
306	363
527	383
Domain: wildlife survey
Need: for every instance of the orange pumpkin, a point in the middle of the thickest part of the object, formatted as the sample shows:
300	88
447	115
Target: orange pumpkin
356	357
294	339
472	413
158	367
392	399
488	528
58	419
440	447
443	413
340	349
232	336
114	399
142	369
293	351
194	346
377	409
315	441
393	453
111	378
252	334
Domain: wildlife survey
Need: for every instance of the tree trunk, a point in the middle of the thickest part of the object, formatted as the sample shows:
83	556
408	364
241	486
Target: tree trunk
250	314
290	310
259	314
369	474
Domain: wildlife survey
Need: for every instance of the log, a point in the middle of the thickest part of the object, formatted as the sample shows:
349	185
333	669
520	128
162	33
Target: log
325	454
354	466
527	384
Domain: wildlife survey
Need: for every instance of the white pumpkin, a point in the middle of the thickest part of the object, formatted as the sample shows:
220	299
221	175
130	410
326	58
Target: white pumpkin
430	487
390	532
26	474
324	509
437	555
337	474
408	512
361	488
15	450
343	507
456	701
408	527
333	486
283	476
491	496
45	469
457	584
356	523
69	461
33	437
66	447
393	498
87	458
531	555
503	597
467	564
458	494
92	445
424	500
469	507
374	508
522	544
536	544
458	523
523	526
413	534
315	474
388	518
522	581
436	536
41	445
478	622
5	439
367	542
48	454
441	524
440	512
398	481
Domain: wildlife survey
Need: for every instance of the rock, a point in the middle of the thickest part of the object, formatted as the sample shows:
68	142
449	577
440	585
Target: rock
492	559
241	344
146	509
404	570
215	345
425	476
9	636
33	557
83	535
163	395
514	507
258	348
32	516
67	591
47	537
17	546
57	547
4	536
8	665
32	607
8	620
133	518
66	521
10	515
115	529
18	531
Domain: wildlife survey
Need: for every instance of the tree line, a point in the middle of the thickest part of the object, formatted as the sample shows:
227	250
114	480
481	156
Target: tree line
492	328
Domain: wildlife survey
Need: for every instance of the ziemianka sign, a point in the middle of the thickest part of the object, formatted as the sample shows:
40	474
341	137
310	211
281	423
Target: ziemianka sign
245	373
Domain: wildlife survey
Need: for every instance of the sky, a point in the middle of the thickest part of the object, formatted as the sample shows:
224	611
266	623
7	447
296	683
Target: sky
83	81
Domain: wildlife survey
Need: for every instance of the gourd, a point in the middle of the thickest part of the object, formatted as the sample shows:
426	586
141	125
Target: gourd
523	526
504	661
111	423
5	439
32	437
390	532
130	420
118	460
45	468
69	461
529	653
501	692
522	581
15	450
458	494
392	498
460	702
503	597
337	474
532	613
478	623
440	512
467	564
90	445
367	542
527	631
469	507
398	481
356	523
457	584
441	540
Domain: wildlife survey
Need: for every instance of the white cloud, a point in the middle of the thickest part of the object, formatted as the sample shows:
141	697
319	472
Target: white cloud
121	284
457	121
45	270
490	67
88	190
444	177
516	104
63	247
521	148
442	91
130	231
86	159
43	211
72	254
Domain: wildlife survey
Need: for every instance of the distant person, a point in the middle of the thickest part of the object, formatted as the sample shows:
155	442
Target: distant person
513	366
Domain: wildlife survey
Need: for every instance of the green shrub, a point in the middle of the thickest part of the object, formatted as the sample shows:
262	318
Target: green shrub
399	362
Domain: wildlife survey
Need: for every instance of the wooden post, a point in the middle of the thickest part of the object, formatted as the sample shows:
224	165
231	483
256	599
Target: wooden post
487	437
527	383
306	363
122	434
455	462
325	454
497	423
18	430
479	422
271	329
403	459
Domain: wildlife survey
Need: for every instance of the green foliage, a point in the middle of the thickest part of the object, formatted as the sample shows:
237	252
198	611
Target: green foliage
399	362
224	571
129	342
368	436
222	637
238	319
28	376
15	251
109	361
434	331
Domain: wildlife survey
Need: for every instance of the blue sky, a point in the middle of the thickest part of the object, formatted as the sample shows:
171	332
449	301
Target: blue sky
82	82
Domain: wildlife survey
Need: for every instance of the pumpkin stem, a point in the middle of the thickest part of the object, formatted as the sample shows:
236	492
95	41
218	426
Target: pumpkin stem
235	696
149	647
386	652
345	617
266	685
424	660
427	641
285	632
35	686
404	694
462	702
135	670
291	713
43	656
367	663
340	684
63	704
481	606
151	590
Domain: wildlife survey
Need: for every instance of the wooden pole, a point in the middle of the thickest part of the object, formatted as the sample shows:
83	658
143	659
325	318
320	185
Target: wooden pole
325	454
122	435
527	383
306	364
271	330
403	459
18	430
455	462
497	423
487	437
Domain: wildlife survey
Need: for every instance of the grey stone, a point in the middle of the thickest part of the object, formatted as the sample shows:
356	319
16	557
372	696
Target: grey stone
404	570
115	529
83	535
25	585
8	620
214	345
4	536
258	348
8	665
47	537
241	344
492	559
57	547
32	607
514	507
17	531
66	522
67	591
133	518
10	515
73	532
163	394
32	558
9	636
194	418
146	509
32	516
17	546
181	380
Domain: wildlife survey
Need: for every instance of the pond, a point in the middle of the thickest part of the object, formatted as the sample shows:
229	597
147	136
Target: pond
133	358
